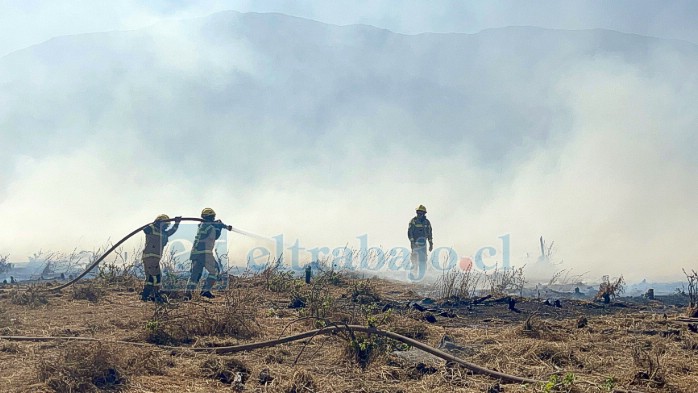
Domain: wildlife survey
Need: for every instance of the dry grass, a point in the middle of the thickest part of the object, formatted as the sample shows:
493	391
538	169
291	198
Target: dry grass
617	348
302	381
10	347
226	370
364	292
97	367
31	296
178	323
409	325
90	291
83	368
505	281
457	284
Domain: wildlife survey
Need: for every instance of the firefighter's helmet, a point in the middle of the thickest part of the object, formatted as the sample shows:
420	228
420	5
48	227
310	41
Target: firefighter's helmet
208	212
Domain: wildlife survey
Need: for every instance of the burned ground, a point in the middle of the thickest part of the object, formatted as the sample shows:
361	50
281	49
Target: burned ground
581	346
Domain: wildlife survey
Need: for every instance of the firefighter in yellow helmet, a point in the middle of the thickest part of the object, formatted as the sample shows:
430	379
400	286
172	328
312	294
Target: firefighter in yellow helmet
202	254
156	236
419	232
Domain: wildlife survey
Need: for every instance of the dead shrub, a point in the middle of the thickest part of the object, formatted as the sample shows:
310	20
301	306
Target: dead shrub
10	347
7	331
180	323
5	265
276	279
97	367
505	281
277	357
419	370
172	281
32	297
226	370
558	357
408	327
118	275
457	284
90	291
83	368
649	363
122	270
237	317
298	300
4	319
332	277
364	292
265	377
610	290
150	362
543	329
157	334
689	343
301	382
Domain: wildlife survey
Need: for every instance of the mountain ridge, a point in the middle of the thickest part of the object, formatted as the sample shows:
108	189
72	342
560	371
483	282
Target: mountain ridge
285	17
251	70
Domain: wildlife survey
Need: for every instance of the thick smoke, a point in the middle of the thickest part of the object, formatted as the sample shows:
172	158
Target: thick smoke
325	134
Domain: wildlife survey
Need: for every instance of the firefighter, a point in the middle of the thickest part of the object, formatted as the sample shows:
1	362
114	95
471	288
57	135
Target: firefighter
202	254
156	236
419	232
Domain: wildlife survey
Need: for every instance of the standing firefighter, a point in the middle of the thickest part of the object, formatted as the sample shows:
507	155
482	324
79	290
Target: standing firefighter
202	253
419	231
156	236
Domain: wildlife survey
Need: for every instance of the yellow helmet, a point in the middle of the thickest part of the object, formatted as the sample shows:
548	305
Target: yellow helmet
421	208
162	217
208	212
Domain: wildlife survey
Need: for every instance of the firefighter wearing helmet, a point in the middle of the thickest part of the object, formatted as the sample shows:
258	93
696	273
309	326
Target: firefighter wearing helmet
202	254
419	232
156	236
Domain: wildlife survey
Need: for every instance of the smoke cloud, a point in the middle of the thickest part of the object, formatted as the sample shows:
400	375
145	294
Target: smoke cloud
325	134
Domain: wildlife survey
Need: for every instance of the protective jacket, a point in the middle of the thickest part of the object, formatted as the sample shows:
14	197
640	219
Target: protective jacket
156	239
206	236
419	230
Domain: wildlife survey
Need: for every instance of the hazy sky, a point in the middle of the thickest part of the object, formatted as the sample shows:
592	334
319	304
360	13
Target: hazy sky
25	23
596	155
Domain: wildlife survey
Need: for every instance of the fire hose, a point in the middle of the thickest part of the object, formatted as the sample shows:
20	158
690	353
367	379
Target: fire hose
324	331
248	347
476	369
120	242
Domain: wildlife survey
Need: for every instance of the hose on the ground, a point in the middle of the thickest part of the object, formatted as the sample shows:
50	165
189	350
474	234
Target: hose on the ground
476	369
327	330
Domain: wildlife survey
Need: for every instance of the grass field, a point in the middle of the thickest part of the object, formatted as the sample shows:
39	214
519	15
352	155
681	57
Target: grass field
627	345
